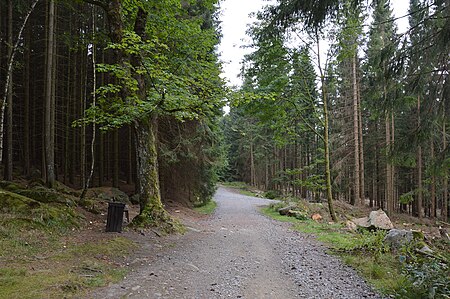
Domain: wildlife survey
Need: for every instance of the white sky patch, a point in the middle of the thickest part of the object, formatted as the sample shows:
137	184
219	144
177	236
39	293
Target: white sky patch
235	20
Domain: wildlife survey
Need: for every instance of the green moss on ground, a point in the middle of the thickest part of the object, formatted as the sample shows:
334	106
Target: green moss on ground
65	272
159	218
43	253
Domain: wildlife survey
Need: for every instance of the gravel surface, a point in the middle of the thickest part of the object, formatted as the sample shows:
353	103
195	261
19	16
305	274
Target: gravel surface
238	253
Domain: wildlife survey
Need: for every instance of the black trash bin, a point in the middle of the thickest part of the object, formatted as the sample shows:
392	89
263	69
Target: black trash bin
115	217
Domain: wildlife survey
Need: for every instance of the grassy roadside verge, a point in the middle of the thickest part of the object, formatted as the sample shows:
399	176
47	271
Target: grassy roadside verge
39	261
242	187
366	253
206	209
58	269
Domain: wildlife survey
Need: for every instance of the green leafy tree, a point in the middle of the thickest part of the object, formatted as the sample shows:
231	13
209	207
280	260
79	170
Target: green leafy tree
164	64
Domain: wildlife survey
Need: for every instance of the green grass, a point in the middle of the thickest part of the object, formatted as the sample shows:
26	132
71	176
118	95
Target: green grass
382	272
242	187
68	273
207	209
268	211
380	268
38	262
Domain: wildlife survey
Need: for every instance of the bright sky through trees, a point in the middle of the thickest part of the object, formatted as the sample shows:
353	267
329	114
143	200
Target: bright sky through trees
235	18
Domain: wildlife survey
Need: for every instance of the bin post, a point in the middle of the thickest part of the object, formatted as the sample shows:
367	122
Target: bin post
115	217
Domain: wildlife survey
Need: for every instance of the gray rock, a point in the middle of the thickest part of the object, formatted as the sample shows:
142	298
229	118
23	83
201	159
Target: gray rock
350	225
285	211
377	219
396	238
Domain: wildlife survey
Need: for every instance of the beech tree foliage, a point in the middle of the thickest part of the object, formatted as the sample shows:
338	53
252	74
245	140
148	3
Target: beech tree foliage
127	71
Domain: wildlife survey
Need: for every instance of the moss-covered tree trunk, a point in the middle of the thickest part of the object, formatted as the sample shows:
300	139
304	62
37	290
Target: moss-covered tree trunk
152	212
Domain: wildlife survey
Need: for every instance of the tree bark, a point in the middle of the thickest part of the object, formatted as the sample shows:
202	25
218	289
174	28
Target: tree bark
26	132
49	100
419	168
356	199
433	184
116	158
9	111
94	102
152	211
326	138
361	149
445	198
252	164
388	191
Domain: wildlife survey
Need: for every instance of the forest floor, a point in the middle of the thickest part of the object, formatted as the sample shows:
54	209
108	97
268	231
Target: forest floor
235	253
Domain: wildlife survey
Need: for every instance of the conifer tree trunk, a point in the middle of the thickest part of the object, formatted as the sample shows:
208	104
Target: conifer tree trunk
130	156
419	168
8	161
445	199
356	179
26	82
393	185
388	191
66	117
116	158
82	109
49	100
433	184
361	150
326	141
101	165
252	164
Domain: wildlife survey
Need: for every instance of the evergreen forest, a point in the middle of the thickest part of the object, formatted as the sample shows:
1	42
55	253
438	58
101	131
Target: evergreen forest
119	113
113	93
336	104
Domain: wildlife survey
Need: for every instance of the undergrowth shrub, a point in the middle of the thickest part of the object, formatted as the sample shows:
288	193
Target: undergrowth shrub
272	194
429	277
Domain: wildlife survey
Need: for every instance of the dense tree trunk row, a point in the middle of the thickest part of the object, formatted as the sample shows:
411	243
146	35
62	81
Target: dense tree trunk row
385	111
51	134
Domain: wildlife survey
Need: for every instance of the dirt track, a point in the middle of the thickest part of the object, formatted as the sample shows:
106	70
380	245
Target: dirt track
238	253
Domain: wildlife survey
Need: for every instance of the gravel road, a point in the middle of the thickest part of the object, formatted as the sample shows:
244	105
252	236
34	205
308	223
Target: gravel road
239	253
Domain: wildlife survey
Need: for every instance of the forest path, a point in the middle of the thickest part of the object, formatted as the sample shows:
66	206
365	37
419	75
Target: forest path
239	253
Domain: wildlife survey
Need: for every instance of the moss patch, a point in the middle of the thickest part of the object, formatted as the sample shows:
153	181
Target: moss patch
157	217
66	273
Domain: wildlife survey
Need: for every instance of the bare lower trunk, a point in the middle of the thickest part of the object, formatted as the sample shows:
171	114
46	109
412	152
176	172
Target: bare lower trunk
152	211
252	166
433	184
419	168
356	200
388	194
326	142
49	101
361	151
444	211
9	111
